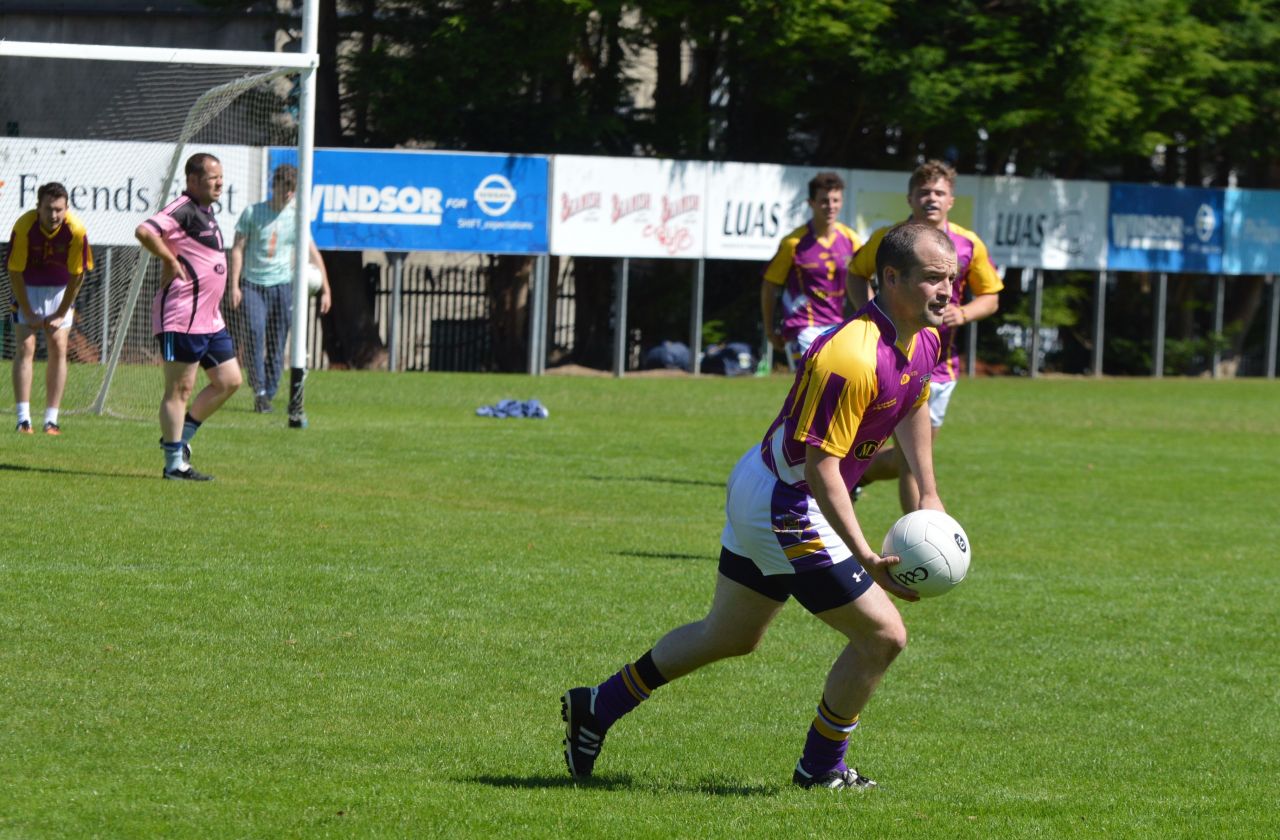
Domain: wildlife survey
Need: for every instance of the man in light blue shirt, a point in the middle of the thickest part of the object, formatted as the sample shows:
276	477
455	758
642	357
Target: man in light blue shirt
266	235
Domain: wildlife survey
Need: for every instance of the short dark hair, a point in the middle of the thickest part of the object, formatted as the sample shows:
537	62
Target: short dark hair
53	190
197	162
932	170
898	248
824	181
285	177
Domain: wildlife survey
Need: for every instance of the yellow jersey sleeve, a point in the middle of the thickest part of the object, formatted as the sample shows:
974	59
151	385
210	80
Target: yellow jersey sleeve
840	385
18	247
864	260
79	255
780	266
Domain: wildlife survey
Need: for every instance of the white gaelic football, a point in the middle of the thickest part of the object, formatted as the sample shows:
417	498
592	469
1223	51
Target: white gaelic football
934	551
314	279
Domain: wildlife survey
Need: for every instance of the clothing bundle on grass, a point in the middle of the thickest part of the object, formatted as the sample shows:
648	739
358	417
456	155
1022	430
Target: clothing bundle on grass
514	408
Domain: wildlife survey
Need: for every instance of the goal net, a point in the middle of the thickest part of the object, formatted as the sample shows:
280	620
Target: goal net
117	141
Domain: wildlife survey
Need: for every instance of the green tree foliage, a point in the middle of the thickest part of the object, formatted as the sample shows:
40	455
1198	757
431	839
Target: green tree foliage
1166	91
1161	90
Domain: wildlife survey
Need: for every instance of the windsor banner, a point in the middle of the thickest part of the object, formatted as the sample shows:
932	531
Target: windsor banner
1176	229
426	201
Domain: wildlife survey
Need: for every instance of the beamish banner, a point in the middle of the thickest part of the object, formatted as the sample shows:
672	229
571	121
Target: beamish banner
627	207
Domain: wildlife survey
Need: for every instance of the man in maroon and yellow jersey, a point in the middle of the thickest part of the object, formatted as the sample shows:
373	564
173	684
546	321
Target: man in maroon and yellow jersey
790	525
809	271
48	257
930	194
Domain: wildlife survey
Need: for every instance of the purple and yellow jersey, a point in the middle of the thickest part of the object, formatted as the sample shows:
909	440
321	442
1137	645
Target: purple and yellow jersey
853	387
974	272
49	259
813	273
191	303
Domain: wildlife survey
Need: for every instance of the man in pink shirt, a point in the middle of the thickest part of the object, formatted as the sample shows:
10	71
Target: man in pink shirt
185	314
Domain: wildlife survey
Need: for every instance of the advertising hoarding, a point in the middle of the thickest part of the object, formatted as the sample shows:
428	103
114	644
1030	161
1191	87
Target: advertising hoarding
1177	229
427	201
628	207
112	186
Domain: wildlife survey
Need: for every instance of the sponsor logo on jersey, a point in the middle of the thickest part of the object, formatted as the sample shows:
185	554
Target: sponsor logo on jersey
865	450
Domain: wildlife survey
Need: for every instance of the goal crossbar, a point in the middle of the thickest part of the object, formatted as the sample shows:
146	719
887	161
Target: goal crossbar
160	55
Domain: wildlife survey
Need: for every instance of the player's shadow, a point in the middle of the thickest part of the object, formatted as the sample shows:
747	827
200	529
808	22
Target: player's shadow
663	555
22	468
657	479
707	786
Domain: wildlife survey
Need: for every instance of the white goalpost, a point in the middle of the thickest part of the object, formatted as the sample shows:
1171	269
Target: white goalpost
140	112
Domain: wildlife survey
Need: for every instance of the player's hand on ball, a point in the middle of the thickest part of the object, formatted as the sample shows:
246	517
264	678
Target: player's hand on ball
878	567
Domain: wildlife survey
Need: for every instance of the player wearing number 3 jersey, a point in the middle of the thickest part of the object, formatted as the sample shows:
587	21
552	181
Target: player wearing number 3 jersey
810	270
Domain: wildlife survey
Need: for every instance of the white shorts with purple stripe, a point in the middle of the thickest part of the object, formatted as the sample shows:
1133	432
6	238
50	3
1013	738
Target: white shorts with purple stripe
779	527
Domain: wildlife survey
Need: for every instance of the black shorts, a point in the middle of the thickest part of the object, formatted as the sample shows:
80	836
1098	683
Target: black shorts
817	590
209	349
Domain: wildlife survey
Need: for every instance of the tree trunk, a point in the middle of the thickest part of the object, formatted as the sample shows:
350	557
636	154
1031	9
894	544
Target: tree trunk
1244	302
593	312
509	283
351	338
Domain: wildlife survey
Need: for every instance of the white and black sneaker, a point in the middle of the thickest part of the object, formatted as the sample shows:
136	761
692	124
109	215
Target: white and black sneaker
583	736
834	780
188	474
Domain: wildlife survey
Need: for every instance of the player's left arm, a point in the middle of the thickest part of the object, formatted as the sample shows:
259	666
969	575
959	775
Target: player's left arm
826	485
915	437
325	298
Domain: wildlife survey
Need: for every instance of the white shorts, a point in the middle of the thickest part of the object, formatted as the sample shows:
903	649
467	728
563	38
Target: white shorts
799	344
779	527
44	301
939	398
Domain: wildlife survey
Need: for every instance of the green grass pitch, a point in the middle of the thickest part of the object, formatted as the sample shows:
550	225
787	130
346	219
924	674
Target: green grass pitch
363	629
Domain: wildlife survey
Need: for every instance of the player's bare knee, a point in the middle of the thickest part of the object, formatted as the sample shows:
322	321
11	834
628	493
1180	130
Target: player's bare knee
179	393
890	641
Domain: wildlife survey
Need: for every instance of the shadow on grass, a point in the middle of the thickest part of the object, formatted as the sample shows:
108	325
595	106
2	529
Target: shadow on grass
59	471
708	786
656	479
663	555
559	780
